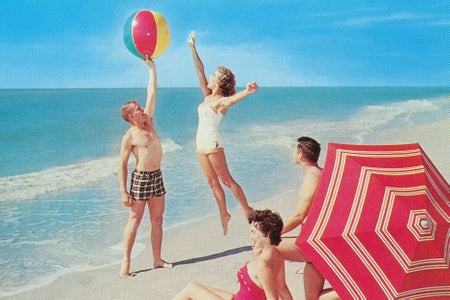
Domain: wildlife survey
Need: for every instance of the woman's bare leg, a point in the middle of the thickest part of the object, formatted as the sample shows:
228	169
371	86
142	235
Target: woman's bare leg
219	193
200	292
219	163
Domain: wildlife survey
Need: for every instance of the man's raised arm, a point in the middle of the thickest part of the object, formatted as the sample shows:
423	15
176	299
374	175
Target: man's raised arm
151	88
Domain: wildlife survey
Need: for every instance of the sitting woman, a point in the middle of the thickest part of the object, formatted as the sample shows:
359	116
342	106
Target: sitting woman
256	277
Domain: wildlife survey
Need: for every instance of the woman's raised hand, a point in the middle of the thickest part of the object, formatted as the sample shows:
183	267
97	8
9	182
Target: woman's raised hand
191	38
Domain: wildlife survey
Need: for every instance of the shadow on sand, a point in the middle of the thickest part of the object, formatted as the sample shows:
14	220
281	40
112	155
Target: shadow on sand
202	258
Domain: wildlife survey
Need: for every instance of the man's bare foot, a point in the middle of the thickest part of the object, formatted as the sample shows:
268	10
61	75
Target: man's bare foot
163	264
225	219
125	269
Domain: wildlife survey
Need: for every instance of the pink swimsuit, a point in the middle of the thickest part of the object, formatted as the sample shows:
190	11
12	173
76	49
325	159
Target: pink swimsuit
248	289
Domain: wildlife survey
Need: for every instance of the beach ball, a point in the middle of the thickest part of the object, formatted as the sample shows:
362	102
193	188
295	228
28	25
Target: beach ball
146	34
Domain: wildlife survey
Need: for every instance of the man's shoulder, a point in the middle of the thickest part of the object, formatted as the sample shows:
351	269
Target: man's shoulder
128	135
314	172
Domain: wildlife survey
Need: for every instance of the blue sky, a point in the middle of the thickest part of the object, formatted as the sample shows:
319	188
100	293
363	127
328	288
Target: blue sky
79	44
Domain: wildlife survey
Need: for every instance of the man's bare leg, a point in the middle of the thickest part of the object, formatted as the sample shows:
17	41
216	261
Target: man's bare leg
313	282
290	251
129	235
156	211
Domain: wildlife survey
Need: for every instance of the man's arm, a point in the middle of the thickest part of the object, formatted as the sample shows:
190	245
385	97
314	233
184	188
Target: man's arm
125	151
151	89
305	197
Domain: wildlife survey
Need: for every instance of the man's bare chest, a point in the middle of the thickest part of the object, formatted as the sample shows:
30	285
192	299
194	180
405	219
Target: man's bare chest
146	139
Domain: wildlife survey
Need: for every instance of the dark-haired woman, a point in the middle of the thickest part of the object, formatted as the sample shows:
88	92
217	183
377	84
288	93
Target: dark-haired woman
262	277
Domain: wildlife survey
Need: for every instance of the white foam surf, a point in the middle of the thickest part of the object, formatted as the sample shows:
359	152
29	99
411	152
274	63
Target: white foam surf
57	179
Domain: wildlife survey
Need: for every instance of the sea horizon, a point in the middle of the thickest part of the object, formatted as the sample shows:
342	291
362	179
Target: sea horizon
238	87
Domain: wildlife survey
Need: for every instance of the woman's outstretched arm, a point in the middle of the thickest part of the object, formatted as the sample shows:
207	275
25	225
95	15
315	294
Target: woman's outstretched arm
227	102
199	68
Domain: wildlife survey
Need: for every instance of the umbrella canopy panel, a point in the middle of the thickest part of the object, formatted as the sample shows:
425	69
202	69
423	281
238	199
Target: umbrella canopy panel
379	225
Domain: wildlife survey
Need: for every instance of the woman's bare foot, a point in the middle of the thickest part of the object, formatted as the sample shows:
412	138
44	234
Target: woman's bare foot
225	219
125	269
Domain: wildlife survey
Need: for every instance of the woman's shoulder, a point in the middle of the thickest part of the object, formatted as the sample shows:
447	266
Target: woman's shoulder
269	256
268	262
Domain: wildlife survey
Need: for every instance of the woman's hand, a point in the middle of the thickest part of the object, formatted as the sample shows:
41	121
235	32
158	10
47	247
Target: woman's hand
252	87
191	38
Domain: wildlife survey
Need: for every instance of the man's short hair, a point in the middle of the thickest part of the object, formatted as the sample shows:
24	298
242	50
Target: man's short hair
309	147
125	110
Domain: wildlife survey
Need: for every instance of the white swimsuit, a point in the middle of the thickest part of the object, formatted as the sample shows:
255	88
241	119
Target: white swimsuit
208	136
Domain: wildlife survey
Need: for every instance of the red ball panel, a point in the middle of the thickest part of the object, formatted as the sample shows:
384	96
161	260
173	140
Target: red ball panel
144	31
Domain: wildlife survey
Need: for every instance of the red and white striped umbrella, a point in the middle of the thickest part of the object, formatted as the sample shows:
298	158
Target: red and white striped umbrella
379	225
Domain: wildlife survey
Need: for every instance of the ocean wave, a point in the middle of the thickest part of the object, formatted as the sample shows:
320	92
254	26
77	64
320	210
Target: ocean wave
353	129
32	185
56	179
169	145
38	243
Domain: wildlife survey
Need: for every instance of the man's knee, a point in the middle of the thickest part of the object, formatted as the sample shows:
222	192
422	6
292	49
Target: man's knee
135	219
156	220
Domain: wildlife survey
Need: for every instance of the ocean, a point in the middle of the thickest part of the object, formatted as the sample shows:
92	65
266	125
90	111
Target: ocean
60	208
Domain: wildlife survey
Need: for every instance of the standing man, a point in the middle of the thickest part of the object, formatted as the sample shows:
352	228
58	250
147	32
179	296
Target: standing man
147	186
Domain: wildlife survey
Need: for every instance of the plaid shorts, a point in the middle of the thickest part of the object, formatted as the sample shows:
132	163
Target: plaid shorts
146	185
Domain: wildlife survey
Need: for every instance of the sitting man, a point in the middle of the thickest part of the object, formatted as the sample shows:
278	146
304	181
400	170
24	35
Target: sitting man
306	155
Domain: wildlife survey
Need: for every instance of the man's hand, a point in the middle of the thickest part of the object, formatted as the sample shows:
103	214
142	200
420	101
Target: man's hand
149	62
127	199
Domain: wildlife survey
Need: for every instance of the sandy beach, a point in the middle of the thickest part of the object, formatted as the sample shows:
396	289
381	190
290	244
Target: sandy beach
201	253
